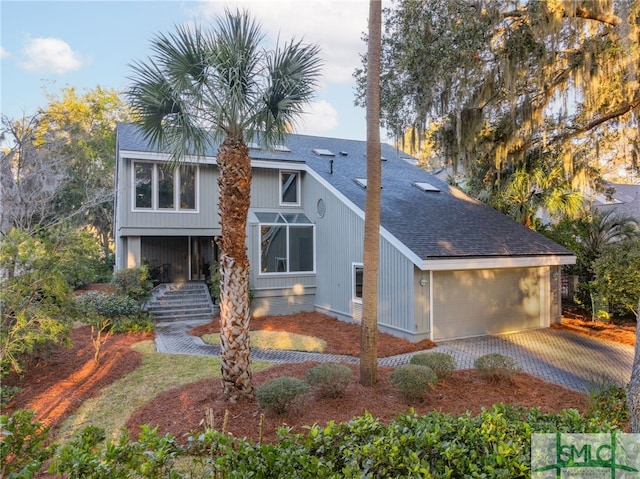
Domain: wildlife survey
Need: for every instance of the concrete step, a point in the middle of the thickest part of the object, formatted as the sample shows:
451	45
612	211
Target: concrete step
184	301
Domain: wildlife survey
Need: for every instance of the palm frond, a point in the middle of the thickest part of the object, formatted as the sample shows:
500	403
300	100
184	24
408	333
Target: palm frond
221	81
293	74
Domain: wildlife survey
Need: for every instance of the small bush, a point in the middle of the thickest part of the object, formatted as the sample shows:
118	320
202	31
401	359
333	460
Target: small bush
7	393
133	282
278	395
496	366
139	323
330	379
23	444
109	306
608	404
413	380
442	364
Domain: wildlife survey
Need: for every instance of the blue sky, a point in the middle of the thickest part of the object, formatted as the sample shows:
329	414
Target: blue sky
54	44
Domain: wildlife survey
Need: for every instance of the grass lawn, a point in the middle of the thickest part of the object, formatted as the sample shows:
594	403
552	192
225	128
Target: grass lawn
282	340
159	372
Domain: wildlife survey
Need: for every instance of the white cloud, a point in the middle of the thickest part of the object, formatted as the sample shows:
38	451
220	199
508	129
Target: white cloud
336	26
50	55
4	53
319	118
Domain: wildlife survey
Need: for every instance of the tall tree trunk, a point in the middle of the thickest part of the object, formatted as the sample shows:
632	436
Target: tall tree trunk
369	325
234	182
633	390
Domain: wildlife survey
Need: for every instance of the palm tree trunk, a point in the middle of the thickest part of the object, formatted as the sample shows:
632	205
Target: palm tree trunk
371	256
633	390
234	182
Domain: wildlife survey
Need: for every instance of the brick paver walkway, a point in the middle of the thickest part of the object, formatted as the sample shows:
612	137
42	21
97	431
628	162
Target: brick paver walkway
569	359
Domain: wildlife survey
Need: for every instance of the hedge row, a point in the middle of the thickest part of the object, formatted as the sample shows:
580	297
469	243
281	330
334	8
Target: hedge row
496	443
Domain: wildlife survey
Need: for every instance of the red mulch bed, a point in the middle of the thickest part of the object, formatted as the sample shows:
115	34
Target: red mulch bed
56	385
182	410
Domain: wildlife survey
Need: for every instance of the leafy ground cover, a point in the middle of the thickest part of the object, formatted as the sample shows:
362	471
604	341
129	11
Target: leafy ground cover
66	379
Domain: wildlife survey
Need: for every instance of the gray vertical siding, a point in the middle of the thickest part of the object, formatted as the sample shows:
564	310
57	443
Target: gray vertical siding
174	222
339	236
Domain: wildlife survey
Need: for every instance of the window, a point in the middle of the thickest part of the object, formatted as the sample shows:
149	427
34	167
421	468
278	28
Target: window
144	178
165	187
358	275
159	186
287	243
187	188
289	188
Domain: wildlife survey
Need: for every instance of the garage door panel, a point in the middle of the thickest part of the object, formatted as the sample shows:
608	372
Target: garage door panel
477	302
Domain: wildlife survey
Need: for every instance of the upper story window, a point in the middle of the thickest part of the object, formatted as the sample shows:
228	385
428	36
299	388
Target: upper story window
290	188
287	243
160	187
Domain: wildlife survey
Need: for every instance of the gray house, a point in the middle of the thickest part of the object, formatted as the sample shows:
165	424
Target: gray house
450	266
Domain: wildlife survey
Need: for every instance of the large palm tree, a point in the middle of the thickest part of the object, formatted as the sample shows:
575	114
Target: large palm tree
220	85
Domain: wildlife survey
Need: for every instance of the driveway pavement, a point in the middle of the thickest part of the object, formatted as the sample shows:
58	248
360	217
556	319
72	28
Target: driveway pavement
569	359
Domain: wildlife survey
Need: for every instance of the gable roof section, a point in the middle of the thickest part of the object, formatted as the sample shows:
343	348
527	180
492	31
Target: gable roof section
427	226
433	225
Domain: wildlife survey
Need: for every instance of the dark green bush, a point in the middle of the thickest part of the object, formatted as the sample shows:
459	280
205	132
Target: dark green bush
413	380
107	305
133	282
7	393
278	395
120	313
93	456
330	380
442	364
139	323
23	444
608	404
496	366
495	443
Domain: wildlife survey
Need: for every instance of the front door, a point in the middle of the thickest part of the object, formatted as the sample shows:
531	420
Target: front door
203	257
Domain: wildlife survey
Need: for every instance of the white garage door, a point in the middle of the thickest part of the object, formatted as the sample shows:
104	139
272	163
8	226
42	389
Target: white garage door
478	302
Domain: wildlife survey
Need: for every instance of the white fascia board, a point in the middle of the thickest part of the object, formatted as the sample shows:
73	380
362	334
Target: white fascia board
455	264
210	160
399	245
279	165
153	156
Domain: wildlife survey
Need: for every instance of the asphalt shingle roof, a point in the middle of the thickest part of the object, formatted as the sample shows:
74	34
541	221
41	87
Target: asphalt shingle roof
446	224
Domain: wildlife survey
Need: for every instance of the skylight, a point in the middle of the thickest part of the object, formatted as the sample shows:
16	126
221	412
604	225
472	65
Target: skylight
254	146
424	186
323	152
281	148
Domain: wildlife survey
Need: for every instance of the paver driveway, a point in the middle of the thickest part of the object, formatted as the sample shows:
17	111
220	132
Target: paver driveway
569	359
573	360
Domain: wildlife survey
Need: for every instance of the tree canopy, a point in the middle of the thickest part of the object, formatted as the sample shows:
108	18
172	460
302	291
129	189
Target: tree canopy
61	162
496	79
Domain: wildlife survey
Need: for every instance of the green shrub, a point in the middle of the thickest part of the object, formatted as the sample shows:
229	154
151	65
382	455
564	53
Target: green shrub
496	366
23	444
133	282
495	443
413	380
442	364
278	395
107	305
139	323
330	379
7	393
608	404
